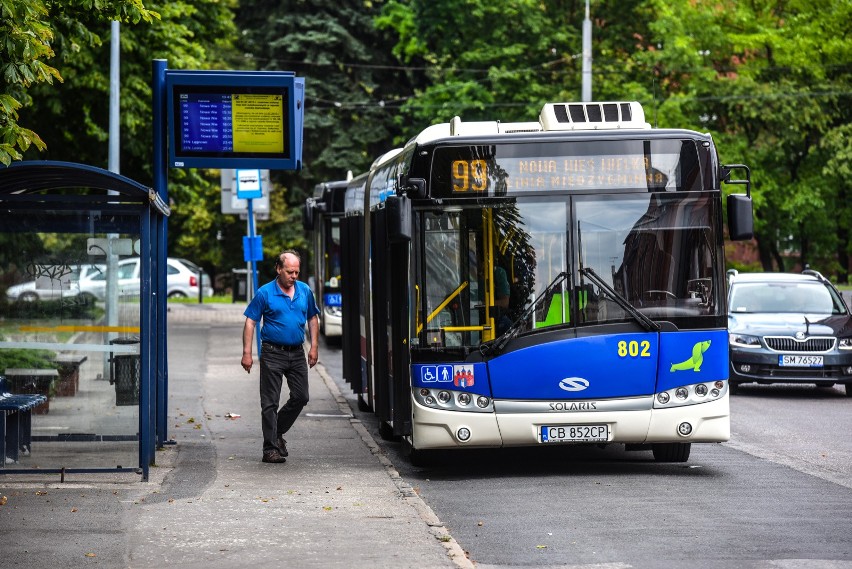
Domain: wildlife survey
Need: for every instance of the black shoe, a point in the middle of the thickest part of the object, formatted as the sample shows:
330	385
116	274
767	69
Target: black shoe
273	456
282	446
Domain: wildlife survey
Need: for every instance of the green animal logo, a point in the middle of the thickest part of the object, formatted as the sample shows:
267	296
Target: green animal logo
693	363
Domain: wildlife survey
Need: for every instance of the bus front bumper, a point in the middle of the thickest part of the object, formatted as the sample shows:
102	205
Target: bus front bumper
442	429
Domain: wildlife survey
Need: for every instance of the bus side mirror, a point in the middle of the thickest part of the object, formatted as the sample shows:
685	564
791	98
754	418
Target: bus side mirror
740	217
399	218
740	209
308	215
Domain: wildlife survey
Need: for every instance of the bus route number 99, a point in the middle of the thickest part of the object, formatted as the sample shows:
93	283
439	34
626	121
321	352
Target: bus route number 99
470	176
633	349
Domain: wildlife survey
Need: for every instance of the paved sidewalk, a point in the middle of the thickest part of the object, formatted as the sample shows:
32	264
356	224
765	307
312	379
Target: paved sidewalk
211	502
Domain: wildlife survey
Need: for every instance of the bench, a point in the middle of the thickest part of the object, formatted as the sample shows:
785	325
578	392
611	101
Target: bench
16	422
68	366
25	381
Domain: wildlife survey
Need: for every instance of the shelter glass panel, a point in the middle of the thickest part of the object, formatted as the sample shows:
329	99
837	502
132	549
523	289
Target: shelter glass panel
70	331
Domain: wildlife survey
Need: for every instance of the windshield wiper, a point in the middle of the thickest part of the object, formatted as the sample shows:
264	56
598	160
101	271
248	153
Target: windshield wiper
515	327
643	320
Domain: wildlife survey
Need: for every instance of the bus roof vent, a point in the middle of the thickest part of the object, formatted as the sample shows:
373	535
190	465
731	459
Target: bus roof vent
593	116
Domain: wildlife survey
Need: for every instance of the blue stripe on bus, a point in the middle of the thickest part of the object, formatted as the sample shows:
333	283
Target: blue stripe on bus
621	365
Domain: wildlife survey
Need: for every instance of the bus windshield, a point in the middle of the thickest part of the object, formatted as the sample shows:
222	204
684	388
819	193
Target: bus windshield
486	266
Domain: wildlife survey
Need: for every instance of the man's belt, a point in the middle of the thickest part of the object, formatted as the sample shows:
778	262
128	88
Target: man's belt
282	347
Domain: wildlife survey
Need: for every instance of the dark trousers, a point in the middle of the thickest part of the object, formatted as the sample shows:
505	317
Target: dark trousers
275	364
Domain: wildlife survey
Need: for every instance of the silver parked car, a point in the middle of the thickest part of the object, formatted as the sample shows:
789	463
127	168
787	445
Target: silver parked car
182	280
53	282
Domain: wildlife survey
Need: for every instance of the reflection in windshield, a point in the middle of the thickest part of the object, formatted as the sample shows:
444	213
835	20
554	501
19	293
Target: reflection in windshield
657	251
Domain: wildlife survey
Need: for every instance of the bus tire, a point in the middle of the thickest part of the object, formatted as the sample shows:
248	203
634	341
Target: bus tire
386	432
416	457
362	405
671	452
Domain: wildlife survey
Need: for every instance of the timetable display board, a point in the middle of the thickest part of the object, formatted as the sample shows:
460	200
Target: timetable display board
236	120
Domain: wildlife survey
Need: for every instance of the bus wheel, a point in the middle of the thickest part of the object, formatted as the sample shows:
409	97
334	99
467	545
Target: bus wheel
671	452
386	432
415	456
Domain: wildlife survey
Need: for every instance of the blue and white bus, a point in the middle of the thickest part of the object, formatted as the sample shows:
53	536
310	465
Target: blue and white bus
551	282
321	219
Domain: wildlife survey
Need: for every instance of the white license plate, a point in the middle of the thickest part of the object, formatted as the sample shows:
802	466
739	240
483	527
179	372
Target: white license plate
581	433
800	361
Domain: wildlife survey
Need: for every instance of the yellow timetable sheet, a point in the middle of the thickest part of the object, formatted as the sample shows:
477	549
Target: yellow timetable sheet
258	122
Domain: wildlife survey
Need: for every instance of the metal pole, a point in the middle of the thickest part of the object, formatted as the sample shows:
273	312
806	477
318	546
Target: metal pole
587	56
113	161
253	262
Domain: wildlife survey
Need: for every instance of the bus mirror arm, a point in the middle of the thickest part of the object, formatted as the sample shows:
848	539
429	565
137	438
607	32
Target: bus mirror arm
415	188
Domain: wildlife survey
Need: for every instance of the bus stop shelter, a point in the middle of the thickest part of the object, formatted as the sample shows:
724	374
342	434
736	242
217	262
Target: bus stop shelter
82	319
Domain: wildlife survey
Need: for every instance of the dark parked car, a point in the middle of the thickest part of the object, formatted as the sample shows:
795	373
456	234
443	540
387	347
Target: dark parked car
788	328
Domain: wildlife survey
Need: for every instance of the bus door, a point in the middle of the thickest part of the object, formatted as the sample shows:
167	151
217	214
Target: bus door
380	278
351	227
463	281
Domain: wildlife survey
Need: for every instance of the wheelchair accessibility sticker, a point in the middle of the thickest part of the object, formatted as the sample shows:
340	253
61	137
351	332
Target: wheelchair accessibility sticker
441	373
459	375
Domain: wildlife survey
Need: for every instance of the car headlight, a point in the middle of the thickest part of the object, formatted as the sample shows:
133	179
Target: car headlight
744	341
845	344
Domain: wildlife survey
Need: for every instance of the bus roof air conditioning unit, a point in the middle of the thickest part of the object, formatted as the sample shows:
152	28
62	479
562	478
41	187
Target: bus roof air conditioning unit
593	116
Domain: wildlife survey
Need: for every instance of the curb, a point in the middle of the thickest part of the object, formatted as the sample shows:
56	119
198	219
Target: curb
436	527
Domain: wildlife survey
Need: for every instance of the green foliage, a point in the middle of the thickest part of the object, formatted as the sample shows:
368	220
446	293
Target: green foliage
26	359
770	80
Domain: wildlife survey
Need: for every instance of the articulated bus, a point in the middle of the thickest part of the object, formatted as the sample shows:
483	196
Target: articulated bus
321	219
543	283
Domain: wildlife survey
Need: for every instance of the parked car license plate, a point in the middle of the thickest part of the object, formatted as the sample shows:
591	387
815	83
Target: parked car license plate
800	361
582	433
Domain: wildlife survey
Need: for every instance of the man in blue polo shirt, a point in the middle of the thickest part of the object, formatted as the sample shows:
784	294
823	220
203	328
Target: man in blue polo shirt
286	305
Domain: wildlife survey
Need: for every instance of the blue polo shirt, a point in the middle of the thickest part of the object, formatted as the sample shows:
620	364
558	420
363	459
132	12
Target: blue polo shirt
283	319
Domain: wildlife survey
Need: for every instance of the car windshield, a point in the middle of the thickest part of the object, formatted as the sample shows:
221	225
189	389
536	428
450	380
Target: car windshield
764	297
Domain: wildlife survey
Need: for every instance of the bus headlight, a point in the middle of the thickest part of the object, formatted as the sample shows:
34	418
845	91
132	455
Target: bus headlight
684	429
482	402
691	394
444	396
464	399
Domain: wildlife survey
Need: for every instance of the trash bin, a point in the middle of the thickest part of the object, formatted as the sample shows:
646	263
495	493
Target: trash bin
239	285
124	372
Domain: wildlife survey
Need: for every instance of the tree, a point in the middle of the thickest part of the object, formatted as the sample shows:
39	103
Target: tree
35	32
353	87
770	80
72	116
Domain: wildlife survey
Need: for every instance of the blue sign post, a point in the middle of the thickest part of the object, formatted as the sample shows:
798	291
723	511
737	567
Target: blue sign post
249	187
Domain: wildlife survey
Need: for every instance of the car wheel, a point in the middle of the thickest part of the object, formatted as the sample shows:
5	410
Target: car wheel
28	297
671	452
363	405
848	387
734	388
176	294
